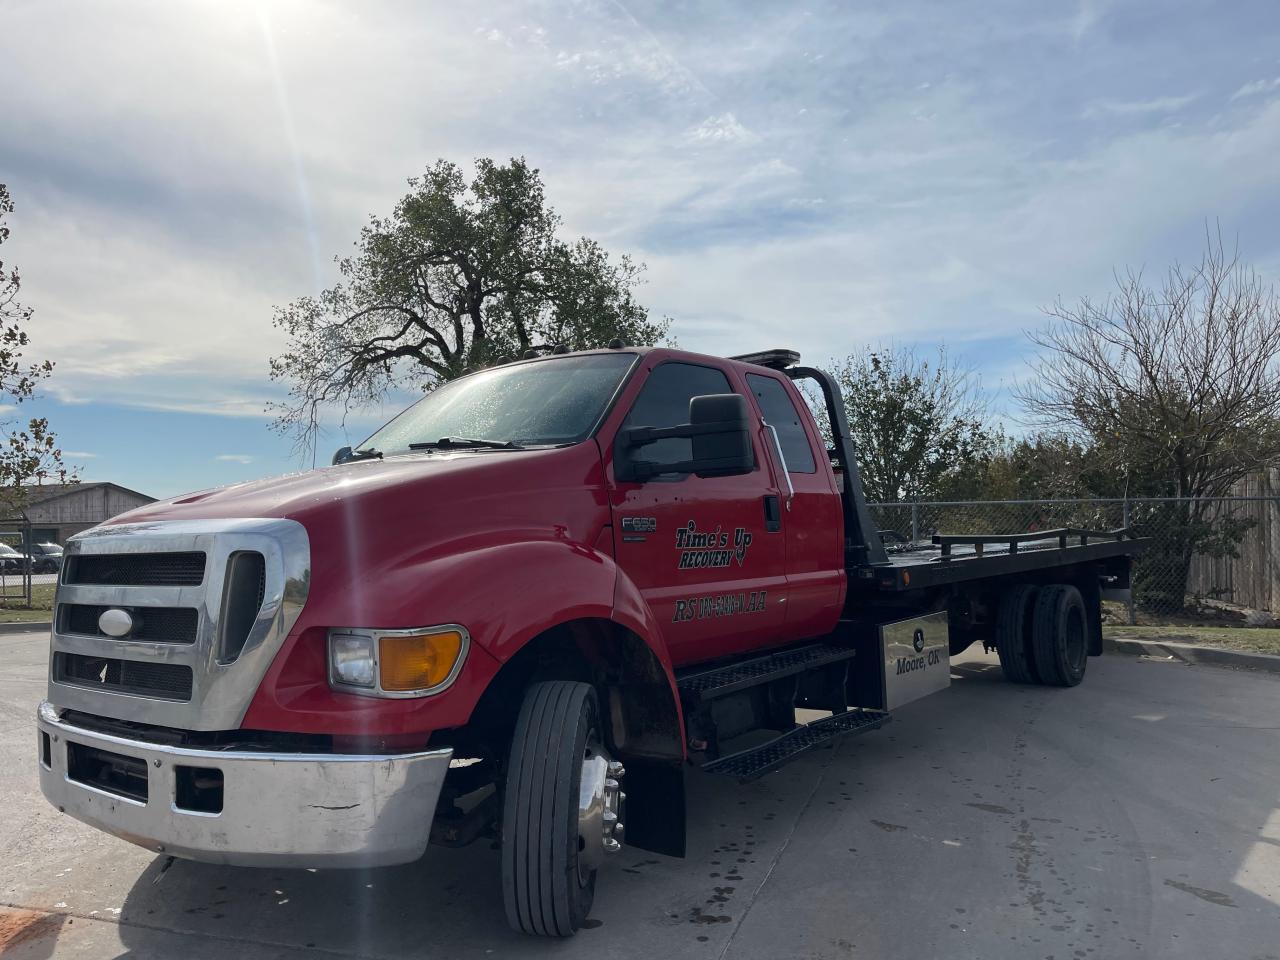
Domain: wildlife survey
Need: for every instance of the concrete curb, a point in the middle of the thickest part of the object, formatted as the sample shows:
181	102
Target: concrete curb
1193	654
23	626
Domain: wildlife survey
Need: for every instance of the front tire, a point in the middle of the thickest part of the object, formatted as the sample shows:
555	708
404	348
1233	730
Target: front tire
1060	636
560	812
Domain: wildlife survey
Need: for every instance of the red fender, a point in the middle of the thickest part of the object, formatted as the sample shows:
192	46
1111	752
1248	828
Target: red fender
505	594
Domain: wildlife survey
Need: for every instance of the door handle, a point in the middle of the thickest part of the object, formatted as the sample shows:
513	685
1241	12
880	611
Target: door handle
772	512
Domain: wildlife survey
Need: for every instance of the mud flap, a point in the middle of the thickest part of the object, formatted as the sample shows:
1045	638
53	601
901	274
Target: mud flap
915	655
655	809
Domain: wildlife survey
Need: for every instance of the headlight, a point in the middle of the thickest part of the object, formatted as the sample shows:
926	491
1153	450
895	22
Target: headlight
396	663
351	659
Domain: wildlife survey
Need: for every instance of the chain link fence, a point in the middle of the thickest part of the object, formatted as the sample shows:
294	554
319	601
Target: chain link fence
15	567
1212	559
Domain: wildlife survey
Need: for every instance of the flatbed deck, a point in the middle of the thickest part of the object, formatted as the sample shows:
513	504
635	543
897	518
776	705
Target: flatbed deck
955	559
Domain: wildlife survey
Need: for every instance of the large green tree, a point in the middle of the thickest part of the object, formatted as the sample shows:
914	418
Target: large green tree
462	273
29	451
918	425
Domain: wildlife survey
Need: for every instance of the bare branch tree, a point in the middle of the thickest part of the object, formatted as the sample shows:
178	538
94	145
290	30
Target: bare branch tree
1176	387
29	453
1179	386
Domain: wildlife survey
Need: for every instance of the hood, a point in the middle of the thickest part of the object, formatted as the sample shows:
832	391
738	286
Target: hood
299	495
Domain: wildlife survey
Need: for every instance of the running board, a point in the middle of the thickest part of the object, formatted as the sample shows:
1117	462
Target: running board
721	681
757	761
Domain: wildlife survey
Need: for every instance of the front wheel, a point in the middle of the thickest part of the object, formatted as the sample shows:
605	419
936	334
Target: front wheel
562	811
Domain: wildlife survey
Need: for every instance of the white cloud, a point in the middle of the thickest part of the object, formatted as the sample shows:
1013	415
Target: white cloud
1125	108
234	457
724	128
918	171
1256	87
1088	14
79	455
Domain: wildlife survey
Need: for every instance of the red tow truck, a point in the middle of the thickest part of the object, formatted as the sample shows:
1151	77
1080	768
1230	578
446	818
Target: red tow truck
523	608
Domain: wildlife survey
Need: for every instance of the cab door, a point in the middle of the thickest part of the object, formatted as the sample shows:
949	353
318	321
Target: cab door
700	550
816	577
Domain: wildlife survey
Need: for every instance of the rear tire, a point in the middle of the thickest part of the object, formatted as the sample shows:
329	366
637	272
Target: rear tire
1014	618
545	891
1060	636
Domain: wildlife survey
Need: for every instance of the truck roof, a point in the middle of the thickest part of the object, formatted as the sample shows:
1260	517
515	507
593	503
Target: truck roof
777	359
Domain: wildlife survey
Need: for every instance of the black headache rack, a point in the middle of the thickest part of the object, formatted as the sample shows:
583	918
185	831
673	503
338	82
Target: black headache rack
861	540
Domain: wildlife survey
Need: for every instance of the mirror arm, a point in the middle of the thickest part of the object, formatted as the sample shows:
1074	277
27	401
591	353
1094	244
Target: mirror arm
643	436
647	469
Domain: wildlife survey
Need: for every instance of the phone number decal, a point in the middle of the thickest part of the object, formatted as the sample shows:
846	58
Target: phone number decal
721	605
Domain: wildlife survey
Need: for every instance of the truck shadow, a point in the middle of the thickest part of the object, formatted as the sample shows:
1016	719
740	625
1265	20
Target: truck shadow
417	909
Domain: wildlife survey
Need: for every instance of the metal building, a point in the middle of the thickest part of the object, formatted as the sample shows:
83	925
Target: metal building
57	511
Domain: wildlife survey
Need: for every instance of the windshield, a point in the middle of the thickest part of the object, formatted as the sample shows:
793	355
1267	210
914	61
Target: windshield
552	401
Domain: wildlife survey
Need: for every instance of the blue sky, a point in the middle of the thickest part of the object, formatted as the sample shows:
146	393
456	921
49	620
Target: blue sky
815	175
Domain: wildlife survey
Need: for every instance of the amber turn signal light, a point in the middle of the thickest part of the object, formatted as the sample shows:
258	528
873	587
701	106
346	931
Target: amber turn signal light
418	661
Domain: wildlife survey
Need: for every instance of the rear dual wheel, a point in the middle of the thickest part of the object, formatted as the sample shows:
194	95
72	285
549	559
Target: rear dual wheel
1042	634
1060	635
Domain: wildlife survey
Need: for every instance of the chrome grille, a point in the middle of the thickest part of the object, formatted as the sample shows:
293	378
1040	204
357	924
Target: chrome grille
158	624
169	680
207	627
138	569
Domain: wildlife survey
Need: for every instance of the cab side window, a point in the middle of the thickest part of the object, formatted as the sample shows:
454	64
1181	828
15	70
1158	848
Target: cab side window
781	414
664	402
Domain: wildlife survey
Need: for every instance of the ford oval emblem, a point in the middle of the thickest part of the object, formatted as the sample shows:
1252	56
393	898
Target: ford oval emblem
917	640
115	622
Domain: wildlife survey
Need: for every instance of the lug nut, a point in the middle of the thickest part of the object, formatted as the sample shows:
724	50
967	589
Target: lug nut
610	818
616	769
612	846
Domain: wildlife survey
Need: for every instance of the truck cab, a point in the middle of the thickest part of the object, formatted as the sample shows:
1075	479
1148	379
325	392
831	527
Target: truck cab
542	582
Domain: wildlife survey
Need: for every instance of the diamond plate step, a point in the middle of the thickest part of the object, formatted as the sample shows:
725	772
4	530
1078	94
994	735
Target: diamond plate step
717	682
757	761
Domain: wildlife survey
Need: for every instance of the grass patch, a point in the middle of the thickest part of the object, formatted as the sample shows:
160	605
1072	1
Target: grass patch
1250	639
13	610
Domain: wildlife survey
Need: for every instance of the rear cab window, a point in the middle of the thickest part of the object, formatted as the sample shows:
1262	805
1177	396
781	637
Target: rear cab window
780	413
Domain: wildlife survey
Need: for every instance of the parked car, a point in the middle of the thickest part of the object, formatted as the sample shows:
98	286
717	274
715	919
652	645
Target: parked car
45	557
11	561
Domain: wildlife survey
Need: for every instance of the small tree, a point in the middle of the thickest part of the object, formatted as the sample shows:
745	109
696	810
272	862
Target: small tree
1175	388
918	427
461	274
30	451
1048	466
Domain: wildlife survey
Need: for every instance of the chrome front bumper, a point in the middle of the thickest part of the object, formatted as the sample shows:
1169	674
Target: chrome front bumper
278	809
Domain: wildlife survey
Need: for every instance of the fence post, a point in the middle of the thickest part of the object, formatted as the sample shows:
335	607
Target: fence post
915	523
1133	613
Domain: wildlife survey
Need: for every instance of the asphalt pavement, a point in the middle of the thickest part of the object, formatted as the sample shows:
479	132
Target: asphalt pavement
1135	816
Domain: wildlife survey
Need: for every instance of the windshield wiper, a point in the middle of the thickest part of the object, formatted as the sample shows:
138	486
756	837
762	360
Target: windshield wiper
464	443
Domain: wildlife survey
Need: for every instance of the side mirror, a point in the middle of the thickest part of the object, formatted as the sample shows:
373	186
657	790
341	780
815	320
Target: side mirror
719	431
342	456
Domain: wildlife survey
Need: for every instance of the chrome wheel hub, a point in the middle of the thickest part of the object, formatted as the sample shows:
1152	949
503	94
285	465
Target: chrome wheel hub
600	809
